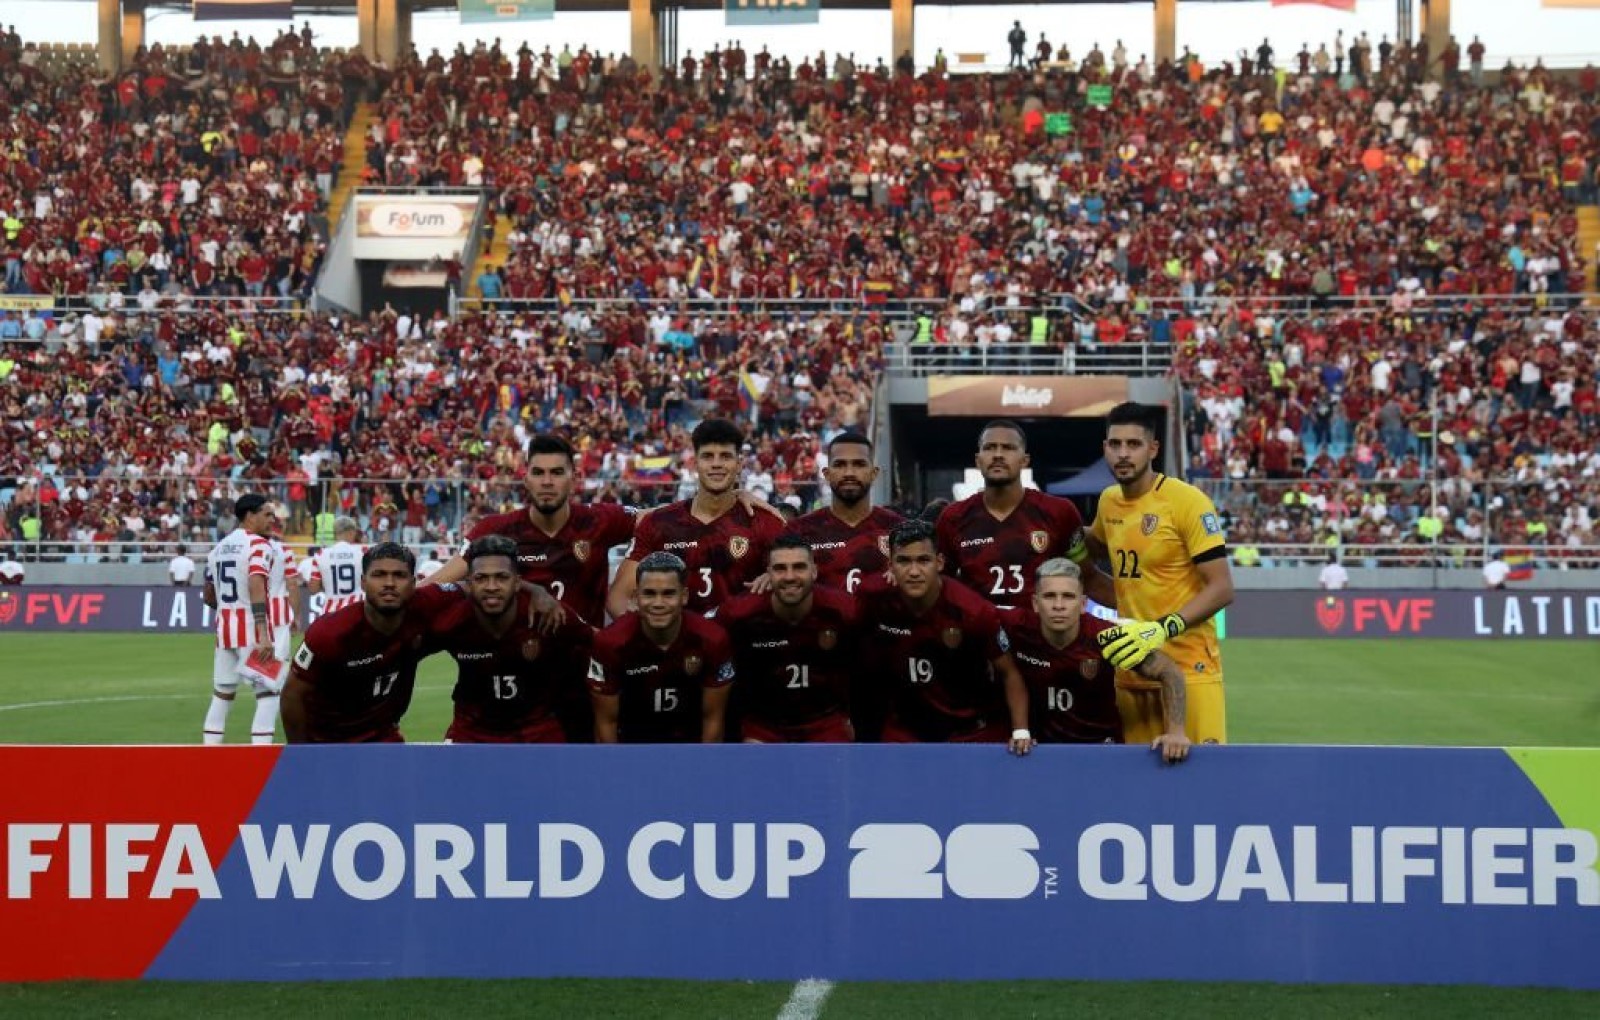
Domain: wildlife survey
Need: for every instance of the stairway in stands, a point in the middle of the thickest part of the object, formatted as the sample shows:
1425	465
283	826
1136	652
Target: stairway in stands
1588	239
495	256
354	162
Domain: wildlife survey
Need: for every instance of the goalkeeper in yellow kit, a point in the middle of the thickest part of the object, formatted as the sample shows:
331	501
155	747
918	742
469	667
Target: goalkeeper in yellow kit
1169	564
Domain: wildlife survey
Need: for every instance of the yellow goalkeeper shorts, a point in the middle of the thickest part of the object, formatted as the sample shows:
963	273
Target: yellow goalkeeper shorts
1206	720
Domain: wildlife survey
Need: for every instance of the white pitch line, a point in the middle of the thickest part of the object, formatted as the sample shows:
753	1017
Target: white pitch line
92	701
64	702
807	1000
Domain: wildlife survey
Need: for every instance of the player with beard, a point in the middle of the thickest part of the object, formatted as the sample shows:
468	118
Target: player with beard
353	676
1164	541
849	539
795	651
995	540
724	551
661	675
509	679
942	655
1072	690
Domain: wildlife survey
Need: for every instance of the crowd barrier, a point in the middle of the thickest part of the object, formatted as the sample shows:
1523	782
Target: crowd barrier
1292	864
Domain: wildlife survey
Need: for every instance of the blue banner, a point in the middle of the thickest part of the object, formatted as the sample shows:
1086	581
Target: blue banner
243	10
850	862
772	12
483	11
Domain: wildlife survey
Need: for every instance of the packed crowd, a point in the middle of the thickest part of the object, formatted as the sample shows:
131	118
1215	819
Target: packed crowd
150	435
1322	429
205	171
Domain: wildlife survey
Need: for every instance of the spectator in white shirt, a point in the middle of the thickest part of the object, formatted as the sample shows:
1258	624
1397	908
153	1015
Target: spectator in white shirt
1494	572
181	568
11	572
1334	577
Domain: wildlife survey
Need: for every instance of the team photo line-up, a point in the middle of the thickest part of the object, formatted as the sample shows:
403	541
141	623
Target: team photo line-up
730	622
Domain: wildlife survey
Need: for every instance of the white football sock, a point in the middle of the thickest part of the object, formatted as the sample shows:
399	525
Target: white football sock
217	719
264	728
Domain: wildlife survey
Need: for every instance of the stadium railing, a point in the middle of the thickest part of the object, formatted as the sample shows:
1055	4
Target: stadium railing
917	360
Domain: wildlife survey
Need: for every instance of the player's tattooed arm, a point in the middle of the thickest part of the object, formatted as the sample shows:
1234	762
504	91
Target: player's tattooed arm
1174	743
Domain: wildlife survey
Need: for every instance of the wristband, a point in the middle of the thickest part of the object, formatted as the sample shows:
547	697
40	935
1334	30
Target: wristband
1021	735
1173	624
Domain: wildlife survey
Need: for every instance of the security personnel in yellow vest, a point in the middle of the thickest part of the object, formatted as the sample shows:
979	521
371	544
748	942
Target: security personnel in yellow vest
1039	329
324	528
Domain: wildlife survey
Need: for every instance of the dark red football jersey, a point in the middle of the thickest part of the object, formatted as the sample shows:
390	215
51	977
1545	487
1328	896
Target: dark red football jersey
998	558
723	556
660	687
507	687
360	679
937	664
1072	691
847	555
574	562
793	674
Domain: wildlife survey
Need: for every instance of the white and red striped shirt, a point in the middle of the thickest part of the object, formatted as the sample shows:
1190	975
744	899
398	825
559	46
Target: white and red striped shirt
229	567
339	565
280	610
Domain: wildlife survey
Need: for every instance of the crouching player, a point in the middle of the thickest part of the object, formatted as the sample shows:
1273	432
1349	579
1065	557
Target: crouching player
1072	691
794	650
510	677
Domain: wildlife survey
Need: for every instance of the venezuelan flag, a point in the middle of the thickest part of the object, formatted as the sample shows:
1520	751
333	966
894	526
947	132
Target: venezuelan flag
1521	564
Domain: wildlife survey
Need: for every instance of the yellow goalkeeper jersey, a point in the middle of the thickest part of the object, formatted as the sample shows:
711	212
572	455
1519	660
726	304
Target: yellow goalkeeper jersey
1155	542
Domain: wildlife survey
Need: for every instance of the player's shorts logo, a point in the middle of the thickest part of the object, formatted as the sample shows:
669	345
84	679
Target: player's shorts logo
530	649
1330	614
1089	668
738	545
1040	540
580	550
692	665
952	637
1150	523
9	604
827	640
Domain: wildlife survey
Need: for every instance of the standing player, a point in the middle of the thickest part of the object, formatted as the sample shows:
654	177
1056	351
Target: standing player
849	539
724	551
1072	691
1170	563
283	587
661	675
942	652
353	676
337	572
237	573
561	544
995	540
509	680
795	650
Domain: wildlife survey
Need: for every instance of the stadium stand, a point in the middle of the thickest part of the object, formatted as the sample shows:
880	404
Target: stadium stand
1319	255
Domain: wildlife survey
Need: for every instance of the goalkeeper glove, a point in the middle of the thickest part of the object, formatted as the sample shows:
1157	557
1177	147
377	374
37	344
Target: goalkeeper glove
1131	642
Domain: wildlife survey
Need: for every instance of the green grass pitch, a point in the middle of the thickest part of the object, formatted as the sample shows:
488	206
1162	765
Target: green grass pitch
139	688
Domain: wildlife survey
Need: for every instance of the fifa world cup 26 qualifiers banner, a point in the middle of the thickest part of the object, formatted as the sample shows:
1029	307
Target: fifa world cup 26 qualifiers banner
854	863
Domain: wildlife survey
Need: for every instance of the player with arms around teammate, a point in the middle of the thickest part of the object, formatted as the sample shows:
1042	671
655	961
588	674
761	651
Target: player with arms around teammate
723	548
995	540
238	572
849	538
940	652
1169	560
661	675
795	650
1072	692
509	676
353	676
336	575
